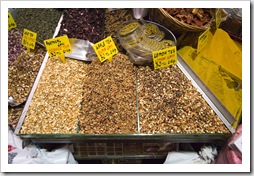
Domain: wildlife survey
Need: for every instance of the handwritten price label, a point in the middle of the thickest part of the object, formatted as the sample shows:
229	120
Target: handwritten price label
58	47
11	22
105	49
164	58
202	40
29	39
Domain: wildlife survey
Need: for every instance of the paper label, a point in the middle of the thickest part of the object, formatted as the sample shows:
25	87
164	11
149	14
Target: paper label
58	47
218	18
29	39
164	58
11	22
105	49
202	41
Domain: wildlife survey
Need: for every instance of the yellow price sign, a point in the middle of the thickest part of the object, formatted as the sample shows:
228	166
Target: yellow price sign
164	58
202	40
218	18
105	49
11	22
58	47
29	39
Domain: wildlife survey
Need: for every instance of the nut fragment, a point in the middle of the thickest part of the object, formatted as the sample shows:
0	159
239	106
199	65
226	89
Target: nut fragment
168	103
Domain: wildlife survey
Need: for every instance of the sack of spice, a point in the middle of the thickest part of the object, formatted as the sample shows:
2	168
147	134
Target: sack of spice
220	68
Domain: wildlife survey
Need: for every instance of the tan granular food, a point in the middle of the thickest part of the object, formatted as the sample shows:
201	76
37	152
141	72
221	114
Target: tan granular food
22	73
168	103
109	105
13	115
56	103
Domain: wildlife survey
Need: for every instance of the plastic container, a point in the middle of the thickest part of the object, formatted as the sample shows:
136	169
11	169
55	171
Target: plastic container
140	38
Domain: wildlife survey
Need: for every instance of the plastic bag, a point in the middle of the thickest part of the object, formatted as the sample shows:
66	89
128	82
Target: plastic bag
205	156
33	155
14	146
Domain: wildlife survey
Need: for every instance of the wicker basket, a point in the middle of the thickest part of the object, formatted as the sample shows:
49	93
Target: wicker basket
159	15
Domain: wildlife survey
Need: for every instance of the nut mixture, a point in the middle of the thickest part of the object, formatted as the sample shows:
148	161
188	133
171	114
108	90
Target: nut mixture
22	73
13	115
109	105
112	20
168	103
56	102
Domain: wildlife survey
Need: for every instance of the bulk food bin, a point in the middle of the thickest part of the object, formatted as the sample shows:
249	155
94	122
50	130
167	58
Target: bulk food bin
139	146
129	146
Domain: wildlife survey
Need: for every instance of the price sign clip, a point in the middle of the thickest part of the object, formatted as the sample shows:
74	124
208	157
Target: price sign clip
62	57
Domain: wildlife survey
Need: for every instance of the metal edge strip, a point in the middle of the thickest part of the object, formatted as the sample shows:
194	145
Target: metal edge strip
210	98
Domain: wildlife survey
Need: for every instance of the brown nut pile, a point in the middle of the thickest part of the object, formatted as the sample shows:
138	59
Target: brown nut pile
109	105
13	115
56	102
169	103
112	20
22	73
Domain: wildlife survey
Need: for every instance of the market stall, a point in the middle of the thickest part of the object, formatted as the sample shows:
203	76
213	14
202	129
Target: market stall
116	101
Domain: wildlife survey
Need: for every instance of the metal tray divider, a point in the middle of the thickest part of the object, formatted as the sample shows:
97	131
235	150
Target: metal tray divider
29	99
137	107
209	97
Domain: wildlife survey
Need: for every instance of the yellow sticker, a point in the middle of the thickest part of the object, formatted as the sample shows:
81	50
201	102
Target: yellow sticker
218	18
11	22
164	58
29	39
105	49
202	40
58	47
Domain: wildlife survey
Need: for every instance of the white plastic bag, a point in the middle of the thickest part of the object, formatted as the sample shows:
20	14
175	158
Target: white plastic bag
32	155
14	146
205	156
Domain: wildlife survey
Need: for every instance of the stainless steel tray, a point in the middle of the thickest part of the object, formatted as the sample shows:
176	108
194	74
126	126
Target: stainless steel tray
215	104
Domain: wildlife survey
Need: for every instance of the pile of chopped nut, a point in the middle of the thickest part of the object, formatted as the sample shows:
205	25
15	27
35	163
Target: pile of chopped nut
109	105
13	115
22	73
56	102
169	103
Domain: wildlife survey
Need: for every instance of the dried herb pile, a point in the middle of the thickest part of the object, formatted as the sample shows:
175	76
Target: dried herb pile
84	23
43	21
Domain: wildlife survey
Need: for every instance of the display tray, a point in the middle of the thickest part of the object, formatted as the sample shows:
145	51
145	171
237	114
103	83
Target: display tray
207	95
214	103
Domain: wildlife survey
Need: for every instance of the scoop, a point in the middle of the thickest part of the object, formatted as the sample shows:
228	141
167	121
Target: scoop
139	13
13	102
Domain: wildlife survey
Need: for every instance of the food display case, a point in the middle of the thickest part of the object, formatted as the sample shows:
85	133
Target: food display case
119	110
